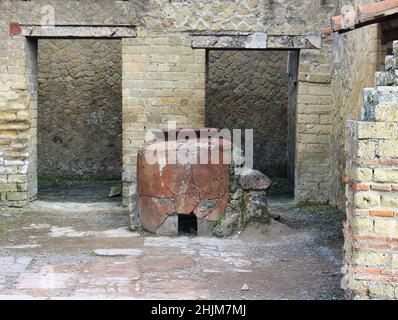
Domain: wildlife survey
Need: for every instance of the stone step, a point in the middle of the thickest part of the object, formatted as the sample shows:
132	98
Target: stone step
384	79
378	95
395	48
390	63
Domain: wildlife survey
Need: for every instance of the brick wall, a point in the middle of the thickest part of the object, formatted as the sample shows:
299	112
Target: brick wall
163	80
18	103
355	60
313	125
172	73
371	230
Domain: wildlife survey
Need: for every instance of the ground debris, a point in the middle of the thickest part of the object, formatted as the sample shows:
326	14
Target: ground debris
245	287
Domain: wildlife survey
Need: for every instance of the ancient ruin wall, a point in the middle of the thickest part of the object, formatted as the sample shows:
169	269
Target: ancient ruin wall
371	230
163	30
355	60
292	72
80	108
249	90
312	183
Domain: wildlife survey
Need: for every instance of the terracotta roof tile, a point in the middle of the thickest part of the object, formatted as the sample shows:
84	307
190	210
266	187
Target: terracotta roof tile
363	15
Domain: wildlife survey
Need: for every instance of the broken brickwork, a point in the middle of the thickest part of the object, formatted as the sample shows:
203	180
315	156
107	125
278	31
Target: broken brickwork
371	230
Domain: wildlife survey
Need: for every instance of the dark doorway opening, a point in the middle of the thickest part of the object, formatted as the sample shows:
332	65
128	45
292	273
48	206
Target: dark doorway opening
187	224
257	89
79	137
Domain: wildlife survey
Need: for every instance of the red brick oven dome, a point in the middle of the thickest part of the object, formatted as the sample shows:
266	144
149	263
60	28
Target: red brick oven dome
168	189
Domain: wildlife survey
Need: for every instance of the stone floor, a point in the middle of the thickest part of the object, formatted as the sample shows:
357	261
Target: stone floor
80	253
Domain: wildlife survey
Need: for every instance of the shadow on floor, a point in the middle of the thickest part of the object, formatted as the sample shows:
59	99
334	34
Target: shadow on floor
77	191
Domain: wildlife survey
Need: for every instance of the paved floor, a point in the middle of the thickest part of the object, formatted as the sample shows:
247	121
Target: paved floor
86	254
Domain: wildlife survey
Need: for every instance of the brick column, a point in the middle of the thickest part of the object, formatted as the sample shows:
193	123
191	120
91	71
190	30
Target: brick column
312	182
371	230
17	108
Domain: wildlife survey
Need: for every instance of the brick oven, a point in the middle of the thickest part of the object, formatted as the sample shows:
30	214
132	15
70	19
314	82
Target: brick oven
175	181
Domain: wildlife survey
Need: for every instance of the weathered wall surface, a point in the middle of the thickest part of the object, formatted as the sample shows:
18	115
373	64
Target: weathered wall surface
292	72
249	90
312	183
163	29
80	108
371	230
163	80
355	59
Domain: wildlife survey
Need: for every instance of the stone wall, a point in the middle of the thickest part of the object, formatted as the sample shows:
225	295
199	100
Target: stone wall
169	25
371	230
249	90
355	62
163	80
292	72
80	108
312	182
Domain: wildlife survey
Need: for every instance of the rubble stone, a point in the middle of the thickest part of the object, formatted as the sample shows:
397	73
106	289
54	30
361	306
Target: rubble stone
253	180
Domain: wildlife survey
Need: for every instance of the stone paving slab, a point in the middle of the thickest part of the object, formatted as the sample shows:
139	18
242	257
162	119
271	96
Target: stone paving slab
54	256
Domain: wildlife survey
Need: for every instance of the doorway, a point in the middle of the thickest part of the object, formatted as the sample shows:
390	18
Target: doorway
79	120
257	89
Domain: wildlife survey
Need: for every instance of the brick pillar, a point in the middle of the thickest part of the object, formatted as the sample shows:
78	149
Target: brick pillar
371	230
18	100
163	80
312	181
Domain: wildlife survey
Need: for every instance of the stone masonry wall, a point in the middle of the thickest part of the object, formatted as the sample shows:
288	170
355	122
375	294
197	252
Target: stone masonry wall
80	108
249	90
292	72
371	230
163	80
312	182
163	29
355	62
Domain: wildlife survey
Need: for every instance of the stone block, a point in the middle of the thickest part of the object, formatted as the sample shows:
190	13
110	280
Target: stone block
169	227
362	225
253	180
376	130
366	149
230	223
361	174
17	196
384	78
389	63
386	112
389	200
256	207
369	258
388	149
205	227
395	48
382	290
385	175
303	118
386	227
366	199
